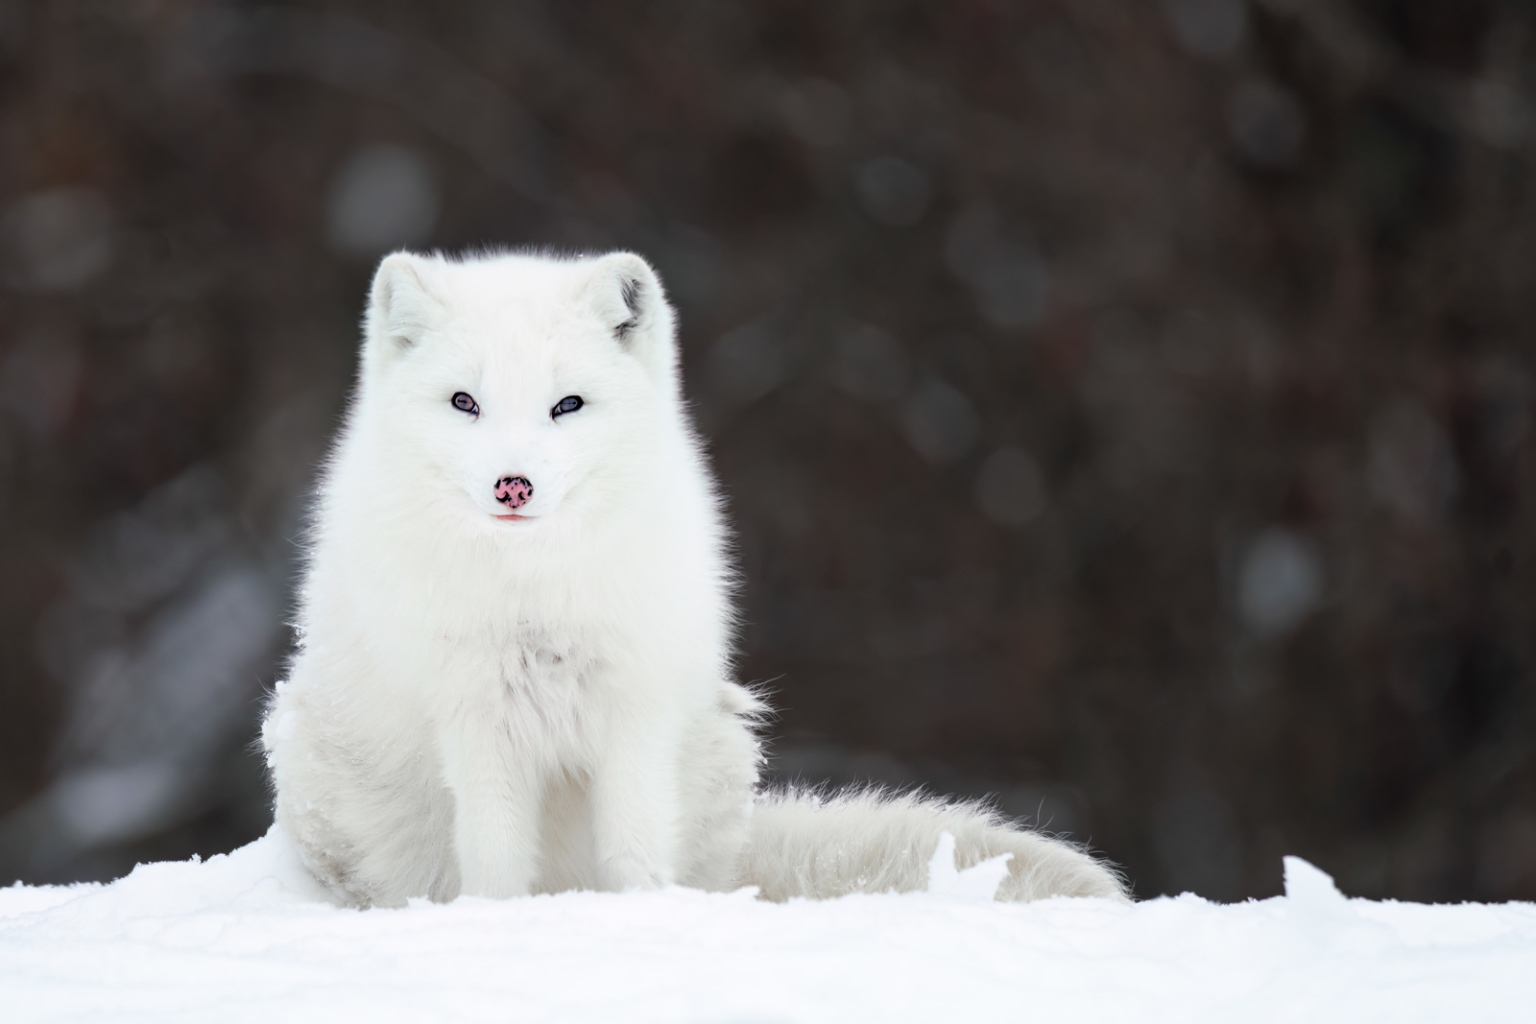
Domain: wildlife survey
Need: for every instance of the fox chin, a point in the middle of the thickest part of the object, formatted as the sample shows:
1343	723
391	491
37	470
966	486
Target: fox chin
512	667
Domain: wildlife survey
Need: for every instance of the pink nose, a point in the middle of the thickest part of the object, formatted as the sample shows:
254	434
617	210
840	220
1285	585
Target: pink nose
514	491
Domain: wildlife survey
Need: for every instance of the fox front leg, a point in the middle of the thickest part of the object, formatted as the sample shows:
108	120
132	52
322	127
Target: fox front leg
635	806
496	809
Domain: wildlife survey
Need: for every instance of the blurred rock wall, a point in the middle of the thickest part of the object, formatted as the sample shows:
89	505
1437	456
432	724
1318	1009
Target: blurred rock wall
1125	407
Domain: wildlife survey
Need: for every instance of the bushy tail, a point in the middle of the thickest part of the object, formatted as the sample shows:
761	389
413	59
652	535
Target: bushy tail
809	844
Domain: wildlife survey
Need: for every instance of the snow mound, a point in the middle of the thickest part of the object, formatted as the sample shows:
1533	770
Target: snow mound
249	936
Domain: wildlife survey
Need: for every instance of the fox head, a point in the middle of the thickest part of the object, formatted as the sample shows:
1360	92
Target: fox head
518	390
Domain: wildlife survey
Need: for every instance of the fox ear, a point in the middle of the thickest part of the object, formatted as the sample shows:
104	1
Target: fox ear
400	306
626	294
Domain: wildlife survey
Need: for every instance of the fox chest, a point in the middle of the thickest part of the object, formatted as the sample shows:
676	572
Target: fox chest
538	690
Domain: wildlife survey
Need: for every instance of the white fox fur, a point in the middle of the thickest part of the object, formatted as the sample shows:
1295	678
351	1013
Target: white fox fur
500	706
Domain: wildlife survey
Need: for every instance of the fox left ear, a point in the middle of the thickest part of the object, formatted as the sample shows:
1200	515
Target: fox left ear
626	293
401	307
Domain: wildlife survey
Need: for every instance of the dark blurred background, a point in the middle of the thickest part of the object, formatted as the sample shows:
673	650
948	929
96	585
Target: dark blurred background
1125	407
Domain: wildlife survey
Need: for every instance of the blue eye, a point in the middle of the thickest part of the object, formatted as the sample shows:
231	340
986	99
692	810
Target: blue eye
465	403
570	403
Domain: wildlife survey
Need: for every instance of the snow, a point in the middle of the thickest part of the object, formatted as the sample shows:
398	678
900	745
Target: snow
249	936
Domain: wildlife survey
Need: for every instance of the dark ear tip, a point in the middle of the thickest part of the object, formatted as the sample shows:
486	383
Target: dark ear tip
629	288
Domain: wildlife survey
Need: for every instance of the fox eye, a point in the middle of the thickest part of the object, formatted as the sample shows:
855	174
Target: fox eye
465	403
570	403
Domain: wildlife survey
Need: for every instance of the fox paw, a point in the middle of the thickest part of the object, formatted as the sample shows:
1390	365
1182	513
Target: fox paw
628	871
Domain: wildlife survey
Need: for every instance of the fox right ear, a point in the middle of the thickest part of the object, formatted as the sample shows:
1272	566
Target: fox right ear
400	307
626	294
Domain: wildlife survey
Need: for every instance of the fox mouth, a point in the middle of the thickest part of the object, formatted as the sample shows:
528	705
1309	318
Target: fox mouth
511	517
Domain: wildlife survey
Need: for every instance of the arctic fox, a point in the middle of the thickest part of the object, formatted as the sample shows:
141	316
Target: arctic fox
513	647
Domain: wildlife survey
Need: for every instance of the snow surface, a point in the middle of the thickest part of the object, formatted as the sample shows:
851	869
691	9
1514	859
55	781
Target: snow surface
249	936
